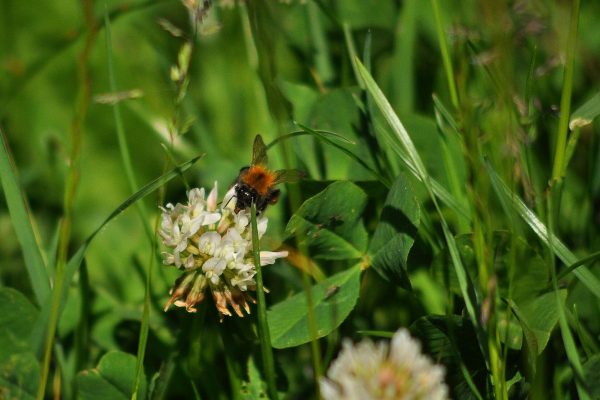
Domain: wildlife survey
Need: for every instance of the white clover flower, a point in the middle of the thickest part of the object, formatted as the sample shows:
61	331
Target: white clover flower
214	247
368	371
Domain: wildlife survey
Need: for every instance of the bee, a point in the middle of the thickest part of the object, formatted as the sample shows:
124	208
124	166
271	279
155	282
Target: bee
255	183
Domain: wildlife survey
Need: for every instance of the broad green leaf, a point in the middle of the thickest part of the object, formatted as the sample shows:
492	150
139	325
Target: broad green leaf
333	299
19	376
19	214
531	342
330	222
586	113
511	332
541	315
19	368
17	316
112	379
394	235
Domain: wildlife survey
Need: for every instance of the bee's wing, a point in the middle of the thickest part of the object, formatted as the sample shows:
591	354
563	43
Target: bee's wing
259	151
288	175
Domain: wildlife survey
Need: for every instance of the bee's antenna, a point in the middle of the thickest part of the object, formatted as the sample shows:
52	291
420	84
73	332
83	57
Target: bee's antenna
229	201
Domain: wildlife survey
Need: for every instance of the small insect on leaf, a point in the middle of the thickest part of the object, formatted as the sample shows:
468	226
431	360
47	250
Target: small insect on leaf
331	291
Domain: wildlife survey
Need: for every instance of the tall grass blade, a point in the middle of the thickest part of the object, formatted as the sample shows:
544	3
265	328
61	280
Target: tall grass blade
585	114
403	140
22	224
439	27
587	278
559	166
567	336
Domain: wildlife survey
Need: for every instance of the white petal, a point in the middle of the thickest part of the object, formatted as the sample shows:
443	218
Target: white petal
229	199
196	196
211	201
214	266
269	257
242	219
189	262
261	225
208	242
211	218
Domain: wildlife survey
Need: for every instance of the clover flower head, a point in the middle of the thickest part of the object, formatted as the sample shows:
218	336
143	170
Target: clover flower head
370	370
213	247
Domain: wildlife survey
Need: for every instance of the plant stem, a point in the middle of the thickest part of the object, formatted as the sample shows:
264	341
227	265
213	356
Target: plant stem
263	324
83	98
558	169
439	26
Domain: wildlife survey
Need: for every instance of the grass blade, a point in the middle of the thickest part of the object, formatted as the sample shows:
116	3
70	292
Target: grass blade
403	140
559	166
439	27
567	336
506	196
20	216
349	153
585	260
585	114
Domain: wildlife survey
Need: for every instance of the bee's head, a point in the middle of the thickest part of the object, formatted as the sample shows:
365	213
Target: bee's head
245	195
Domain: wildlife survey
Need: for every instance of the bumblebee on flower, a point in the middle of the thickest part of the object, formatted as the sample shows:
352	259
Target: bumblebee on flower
213	246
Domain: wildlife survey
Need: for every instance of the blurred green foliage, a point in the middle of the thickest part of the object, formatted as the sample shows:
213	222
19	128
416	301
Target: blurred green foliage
267	67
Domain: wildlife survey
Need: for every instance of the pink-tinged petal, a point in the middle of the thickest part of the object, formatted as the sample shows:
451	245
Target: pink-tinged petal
211	201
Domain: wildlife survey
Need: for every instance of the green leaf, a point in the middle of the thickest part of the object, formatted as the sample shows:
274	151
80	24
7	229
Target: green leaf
19	376
113	378
19	368
591	374
586	113
330	224
333	299
19	214
541	315
394	235
452	341
17	316
510	330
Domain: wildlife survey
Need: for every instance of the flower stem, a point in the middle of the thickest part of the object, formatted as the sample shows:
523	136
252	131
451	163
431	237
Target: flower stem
263	325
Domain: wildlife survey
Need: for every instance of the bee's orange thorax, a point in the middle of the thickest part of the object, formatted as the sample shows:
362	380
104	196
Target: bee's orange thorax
259	178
